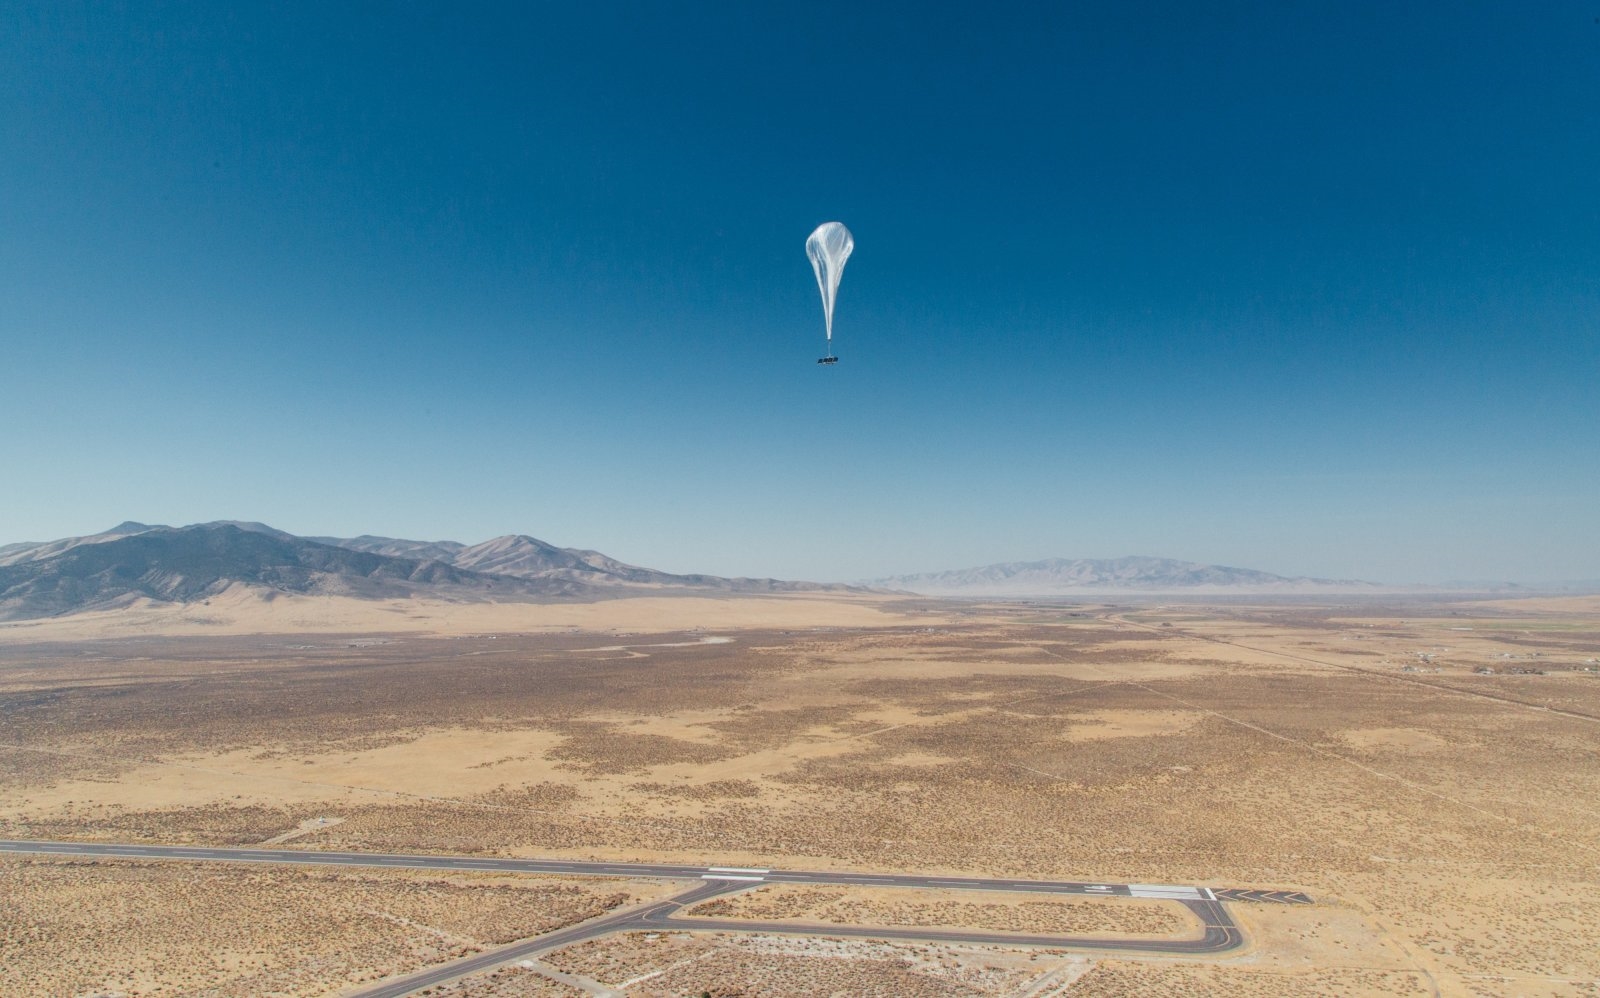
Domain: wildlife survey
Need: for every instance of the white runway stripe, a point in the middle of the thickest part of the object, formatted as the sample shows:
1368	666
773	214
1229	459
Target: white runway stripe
728	876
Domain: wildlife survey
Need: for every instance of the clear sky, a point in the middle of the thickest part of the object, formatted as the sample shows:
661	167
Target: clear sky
1312	288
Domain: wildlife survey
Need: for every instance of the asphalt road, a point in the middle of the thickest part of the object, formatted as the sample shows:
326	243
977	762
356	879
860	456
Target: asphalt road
1220	935
647	918
1171	892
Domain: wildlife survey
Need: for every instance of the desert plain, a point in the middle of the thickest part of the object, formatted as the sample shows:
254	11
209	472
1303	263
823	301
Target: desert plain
1424	769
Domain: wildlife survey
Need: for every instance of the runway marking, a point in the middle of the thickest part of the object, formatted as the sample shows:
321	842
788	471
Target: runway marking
1166	891
743	874
1260	896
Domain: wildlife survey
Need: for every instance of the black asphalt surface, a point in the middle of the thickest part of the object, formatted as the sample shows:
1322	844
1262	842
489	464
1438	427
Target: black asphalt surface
561	867
624	921
1220	935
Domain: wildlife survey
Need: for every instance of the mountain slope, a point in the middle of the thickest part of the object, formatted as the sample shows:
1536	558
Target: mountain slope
524	557
395	547
519	554
1056	575
136	561
189	563
13	554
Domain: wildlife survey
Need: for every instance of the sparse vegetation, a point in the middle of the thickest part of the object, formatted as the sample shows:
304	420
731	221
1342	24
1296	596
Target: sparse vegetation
1259	746
135	928
961	909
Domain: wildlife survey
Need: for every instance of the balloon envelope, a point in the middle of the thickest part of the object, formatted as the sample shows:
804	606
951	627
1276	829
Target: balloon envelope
829	247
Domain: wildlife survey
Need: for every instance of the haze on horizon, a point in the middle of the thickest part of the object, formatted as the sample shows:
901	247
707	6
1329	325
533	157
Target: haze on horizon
1313	294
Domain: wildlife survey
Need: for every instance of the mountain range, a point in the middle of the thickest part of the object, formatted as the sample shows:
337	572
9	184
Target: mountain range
1133	574
136	561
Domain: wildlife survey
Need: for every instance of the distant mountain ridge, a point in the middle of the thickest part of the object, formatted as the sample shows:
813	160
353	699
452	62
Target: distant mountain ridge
194	563
14	553
134	561
395	547
1134	573
521	556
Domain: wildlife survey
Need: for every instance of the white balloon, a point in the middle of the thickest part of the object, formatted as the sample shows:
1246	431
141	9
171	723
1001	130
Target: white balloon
829	247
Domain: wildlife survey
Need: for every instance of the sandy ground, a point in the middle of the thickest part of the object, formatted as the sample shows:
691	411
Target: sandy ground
71	928
1446	821
992	911
242	611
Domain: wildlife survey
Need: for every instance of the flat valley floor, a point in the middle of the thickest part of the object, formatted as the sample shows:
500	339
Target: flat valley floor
1429	773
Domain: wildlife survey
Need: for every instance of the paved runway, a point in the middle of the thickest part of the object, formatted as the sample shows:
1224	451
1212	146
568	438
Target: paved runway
1220	933
746	875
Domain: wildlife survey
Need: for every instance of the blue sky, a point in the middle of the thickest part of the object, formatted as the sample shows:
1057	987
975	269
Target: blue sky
1312	288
